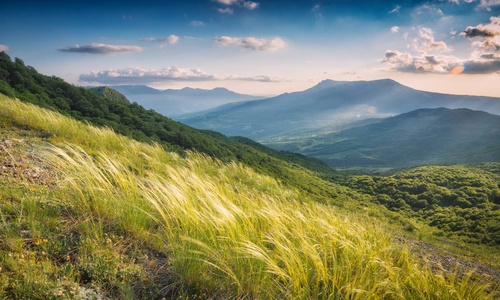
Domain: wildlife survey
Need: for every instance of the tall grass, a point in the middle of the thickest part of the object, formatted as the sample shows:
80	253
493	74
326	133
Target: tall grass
231	232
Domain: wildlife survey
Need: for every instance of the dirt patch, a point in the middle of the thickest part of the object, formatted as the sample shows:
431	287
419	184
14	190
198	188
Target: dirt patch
441	261
18	160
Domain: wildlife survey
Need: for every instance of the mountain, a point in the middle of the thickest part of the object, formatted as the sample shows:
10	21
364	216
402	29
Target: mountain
327	107
109	93
424	136
174	102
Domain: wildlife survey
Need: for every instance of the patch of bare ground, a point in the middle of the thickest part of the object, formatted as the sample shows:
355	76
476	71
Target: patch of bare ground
19	161
442	261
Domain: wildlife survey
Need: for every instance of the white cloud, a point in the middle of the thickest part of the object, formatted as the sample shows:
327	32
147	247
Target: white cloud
406	62
4	48
102	49
428	9
396	9
251	5
426	43
172	39
315	9
485	59
252	43
133	75
394	29
488	3
195	23
226	10
483	3
441	64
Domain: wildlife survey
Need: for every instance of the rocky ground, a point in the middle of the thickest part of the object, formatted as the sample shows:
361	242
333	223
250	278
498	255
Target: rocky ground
441	260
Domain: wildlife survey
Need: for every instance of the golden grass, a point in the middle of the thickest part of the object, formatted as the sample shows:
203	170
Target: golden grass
231	232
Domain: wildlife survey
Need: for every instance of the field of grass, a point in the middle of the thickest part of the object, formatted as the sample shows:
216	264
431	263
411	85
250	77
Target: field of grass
122	219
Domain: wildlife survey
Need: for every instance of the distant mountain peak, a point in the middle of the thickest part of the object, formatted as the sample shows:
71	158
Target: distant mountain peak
329	83
221	89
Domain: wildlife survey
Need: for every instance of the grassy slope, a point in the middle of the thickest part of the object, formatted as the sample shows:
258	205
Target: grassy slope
310	176
25	83
117	210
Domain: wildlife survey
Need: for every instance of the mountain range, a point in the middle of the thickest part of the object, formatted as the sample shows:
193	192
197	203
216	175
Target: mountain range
327	107
173	102
424	136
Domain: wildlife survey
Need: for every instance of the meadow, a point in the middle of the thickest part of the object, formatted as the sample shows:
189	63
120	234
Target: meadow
124	219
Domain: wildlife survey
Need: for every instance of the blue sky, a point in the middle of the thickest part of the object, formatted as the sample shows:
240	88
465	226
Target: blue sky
259	47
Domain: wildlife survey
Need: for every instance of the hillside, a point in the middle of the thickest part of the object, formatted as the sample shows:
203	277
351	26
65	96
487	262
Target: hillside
424	136
173	102
109	93
328	106
309	176
87	213
24	82
461	200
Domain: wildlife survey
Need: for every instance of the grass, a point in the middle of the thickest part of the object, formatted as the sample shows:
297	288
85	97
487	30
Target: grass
224	231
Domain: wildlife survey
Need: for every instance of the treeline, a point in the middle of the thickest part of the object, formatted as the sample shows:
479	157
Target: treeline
462	201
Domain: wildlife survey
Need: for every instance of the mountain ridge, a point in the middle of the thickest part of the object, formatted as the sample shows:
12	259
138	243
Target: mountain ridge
172	102
328	104
423	136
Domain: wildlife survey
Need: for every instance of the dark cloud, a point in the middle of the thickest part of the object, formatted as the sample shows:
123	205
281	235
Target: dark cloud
432	60
102	49
474	32
489	56
490	33
482	67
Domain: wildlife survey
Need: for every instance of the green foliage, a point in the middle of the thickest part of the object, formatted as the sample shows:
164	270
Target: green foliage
462	201
109	93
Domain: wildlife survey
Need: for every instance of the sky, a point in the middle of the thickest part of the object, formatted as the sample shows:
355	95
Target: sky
259	47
